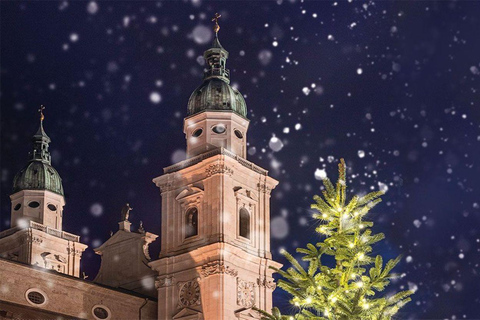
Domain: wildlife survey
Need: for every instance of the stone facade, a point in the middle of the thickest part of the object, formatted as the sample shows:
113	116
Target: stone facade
231	269
64	297
42	246
49	211
125	260
210	130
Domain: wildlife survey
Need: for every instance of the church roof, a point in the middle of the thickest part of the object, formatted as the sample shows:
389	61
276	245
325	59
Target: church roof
216	95
38	175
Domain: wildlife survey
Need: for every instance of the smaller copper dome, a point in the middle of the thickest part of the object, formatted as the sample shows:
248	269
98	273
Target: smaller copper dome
38	175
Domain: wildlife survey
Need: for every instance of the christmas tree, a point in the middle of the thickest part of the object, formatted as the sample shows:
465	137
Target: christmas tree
349	289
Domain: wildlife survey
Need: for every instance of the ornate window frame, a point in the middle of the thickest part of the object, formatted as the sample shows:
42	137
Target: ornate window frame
246	199
103	307
186	213
39	291
219	124
196	129
191	197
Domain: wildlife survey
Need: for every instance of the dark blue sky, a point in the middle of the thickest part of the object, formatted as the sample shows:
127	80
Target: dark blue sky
392	87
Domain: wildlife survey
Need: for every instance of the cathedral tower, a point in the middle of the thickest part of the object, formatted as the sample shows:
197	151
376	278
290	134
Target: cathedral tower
36	236
215	240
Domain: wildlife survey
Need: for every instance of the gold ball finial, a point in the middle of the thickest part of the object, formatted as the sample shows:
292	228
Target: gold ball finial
216	27
41	112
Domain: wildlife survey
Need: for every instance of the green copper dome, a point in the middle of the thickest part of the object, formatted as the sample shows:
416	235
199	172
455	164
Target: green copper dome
215	93
39	174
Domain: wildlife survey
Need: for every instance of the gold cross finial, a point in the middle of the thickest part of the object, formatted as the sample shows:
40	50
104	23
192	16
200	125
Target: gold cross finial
216	27
41	112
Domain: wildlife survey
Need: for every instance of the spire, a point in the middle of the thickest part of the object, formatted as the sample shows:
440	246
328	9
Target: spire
40	142
216	57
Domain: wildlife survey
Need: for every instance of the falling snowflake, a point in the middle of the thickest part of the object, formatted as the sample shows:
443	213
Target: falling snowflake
275	144
155	97
202	34
96	209
320	174
92	7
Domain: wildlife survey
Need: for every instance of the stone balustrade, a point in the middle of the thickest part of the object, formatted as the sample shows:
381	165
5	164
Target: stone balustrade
206	155
44	228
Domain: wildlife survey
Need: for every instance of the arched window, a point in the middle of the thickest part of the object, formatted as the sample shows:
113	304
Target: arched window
244	218
191	222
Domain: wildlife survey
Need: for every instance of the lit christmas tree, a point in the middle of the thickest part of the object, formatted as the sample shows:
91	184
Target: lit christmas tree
349	290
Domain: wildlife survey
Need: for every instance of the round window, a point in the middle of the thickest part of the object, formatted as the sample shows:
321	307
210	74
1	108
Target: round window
101	312
219	128
36	297
52	207
34	204
17	207
197	133
238	134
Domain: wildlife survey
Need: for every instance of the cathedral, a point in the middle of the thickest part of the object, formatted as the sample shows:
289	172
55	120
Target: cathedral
215	257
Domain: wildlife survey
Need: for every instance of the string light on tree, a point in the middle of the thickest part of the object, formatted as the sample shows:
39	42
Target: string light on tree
350	289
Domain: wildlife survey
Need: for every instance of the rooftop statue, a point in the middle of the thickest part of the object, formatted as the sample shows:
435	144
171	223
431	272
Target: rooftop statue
126	211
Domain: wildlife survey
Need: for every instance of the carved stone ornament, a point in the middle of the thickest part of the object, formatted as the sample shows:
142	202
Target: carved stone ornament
264	282
218	168
145	250
245	293
217	267
264	188
37	240
164	187
163	281
189	294
73	251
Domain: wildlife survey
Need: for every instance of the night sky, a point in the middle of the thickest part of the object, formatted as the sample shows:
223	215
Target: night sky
392	87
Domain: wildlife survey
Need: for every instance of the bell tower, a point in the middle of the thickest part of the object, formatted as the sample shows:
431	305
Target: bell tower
36	235
215	240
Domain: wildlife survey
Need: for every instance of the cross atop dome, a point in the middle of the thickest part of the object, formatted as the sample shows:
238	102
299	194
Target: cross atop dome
41	112
216	27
